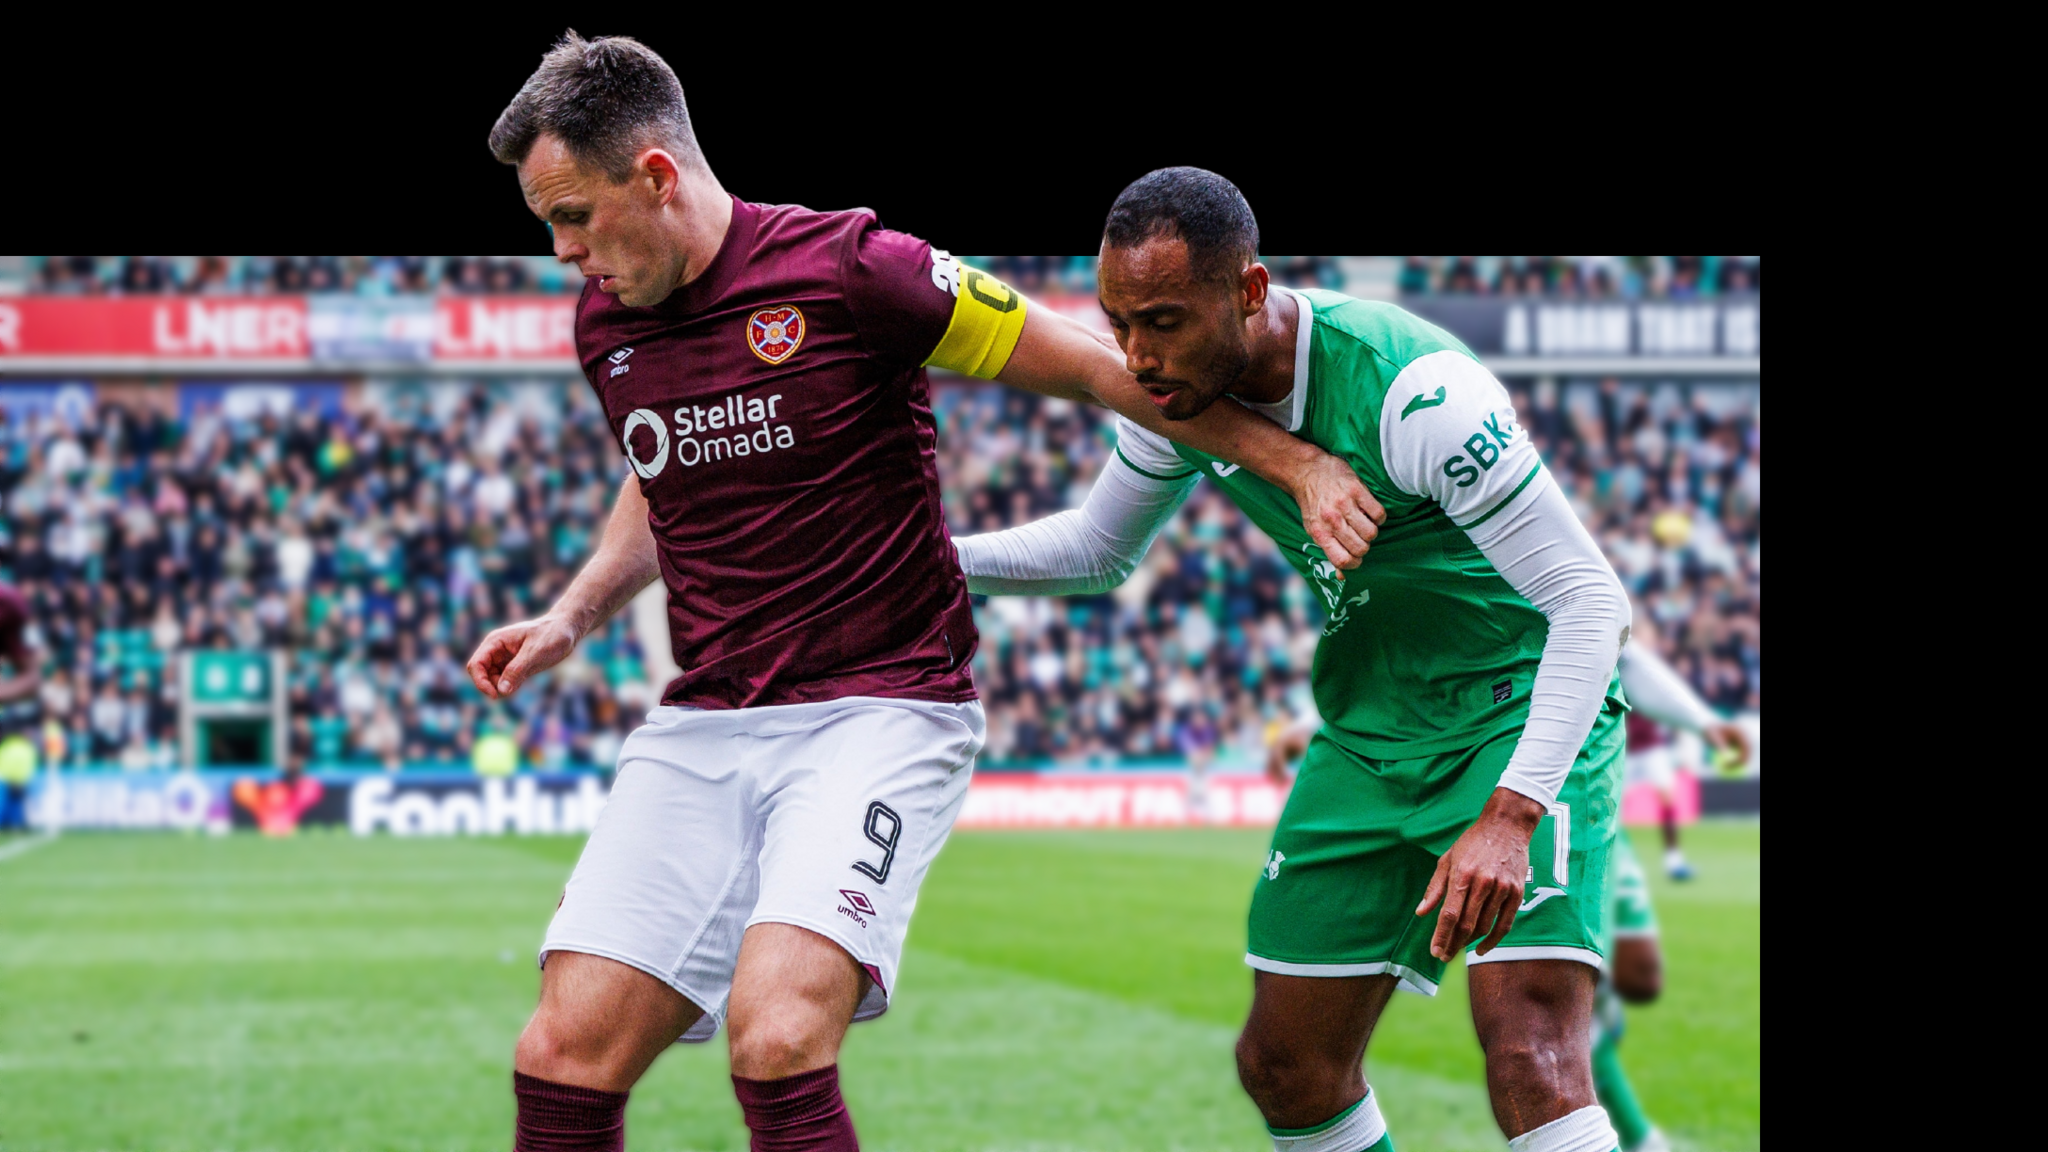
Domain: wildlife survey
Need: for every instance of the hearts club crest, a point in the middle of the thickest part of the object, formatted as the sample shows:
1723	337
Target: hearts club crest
774	333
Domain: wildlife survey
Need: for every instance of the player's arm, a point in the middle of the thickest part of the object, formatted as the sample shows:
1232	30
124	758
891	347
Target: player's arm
1462	447
623	564
996	334
1093	548
1656	690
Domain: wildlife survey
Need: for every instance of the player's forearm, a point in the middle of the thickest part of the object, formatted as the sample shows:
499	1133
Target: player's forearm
1546	555
1058	356
623	564
1049	557
1088	550
1657	690
1224	429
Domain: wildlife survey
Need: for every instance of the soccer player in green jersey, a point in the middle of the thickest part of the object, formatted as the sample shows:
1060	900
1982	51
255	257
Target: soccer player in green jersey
1461	794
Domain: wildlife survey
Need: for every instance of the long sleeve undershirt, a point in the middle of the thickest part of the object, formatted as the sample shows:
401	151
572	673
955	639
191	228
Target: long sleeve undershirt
1656	690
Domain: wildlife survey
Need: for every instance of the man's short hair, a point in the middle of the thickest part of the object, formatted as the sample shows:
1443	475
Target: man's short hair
606	99
1206	211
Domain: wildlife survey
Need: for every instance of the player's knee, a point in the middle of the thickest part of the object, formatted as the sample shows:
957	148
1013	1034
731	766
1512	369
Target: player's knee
1637	971
1273	1073
1529	1066
552	1048
1639	987
775	1045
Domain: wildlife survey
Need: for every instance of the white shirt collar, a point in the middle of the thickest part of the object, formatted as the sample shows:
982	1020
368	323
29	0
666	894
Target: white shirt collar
1289	409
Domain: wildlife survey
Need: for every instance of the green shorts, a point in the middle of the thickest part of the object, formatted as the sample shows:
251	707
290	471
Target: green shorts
1359	840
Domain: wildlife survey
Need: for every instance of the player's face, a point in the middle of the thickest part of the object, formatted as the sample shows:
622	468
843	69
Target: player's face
1183	338
611	231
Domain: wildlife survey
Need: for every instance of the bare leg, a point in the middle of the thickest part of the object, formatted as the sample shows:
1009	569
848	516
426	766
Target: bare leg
1300	1058
793	997
600	1023
1534	1019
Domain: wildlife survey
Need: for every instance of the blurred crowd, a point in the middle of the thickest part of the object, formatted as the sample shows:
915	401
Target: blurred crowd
1581	277
379	540
377	545
269	275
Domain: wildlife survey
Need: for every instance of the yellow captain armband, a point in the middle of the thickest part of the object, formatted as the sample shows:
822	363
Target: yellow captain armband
988	317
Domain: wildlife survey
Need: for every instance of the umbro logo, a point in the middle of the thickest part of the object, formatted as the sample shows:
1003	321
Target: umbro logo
618	359
861	909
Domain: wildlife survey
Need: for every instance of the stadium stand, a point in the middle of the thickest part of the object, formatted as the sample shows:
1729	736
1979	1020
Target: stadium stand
379	542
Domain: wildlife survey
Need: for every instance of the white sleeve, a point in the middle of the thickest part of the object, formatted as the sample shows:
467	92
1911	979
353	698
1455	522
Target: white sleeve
1088	550
1657	690
1448	431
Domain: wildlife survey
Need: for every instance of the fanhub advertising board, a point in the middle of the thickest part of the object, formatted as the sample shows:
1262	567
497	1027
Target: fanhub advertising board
404	804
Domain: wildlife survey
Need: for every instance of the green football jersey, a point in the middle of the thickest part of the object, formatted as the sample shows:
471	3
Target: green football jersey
1426	648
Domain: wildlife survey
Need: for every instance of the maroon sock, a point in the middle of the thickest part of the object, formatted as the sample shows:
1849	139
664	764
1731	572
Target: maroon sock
801	1113
564	1118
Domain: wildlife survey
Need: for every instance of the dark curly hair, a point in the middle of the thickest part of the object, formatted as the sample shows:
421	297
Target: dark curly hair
1203	209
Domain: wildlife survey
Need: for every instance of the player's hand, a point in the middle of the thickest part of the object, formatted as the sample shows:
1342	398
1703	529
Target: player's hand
516	653
1726	736
1479	881
1340	515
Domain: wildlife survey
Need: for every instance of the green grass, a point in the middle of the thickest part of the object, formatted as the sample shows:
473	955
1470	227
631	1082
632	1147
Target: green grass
1062	991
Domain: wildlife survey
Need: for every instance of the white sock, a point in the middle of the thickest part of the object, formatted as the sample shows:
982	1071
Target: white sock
1357	1128
1586	1130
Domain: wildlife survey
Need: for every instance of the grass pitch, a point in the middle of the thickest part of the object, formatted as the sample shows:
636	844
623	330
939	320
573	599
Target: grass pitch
1070	991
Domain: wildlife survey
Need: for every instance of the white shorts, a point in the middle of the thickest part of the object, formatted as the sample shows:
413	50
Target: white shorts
823	815
1657	767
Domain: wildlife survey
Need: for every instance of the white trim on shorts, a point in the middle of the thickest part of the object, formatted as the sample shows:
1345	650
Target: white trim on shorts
1539	952
1410	979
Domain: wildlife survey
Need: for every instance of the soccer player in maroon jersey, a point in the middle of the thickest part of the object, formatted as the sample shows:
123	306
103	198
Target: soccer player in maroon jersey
764	369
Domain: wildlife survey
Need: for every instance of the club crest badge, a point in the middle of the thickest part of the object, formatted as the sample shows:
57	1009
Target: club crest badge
774	333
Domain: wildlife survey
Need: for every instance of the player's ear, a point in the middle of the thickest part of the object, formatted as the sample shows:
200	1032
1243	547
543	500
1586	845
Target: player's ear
1252	287
661	172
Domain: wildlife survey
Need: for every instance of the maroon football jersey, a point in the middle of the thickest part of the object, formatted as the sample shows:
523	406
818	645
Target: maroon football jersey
777	414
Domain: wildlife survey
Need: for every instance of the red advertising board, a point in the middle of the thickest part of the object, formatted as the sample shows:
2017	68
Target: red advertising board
110	331
505	328
190	327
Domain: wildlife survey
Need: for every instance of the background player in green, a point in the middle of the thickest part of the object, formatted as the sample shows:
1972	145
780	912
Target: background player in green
1471	748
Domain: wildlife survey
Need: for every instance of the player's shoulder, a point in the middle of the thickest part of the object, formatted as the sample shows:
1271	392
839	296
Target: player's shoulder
783	226
1150	454
1381	329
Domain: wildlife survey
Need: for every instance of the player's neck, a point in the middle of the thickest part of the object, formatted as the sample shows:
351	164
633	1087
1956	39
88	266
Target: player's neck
1270	376
705	216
